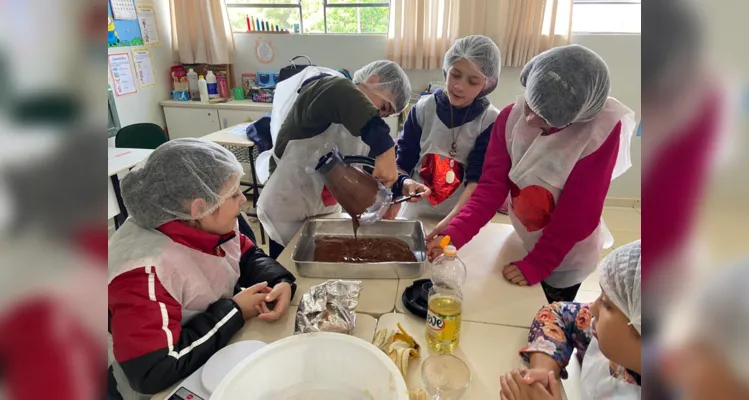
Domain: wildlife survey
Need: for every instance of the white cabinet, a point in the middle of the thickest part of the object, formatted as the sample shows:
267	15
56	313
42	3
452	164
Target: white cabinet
185	122
229	118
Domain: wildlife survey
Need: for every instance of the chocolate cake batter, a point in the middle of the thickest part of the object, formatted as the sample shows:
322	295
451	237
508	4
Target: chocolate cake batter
354	189
365	250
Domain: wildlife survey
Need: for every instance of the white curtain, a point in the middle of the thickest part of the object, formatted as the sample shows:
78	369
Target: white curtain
421	31
201	32
521	28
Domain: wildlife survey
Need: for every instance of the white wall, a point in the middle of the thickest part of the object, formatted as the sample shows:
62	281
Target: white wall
144	105
621	52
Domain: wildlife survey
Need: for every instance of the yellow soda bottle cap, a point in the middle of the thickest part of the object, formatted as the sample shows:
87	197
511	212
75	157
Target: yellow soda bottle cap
445	242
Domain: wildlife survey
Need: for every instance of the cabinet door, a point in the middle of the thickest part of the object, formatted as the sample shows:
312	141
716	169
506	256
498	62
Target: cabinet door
230	118
185	122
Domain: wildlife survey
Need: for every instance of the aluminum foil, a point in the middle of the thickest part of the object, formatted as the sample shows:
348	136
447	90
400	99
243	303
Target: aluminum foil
329	307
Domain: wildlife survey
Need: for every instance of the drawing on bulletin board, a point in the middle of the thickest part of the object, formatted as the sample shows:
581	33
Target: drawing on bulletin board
122	74
148	28
122	32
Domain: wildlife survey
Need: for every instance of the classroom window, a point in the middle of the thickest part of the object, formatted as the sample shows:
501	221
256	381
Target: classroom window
601	16
314	16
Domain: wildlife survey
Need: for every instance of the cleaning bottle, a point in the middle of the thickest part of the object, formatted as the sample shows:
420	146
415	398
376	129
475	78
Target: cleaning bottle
223	86
210	79
203	89
192	84
445	303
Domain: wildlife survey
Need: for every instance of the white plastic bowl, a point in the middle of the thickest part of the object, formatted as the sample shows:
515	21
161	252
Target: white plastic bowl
314	366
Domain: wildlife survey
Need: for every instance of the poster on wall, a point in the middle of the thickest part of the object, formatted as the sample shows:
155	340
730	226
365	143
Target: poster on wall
122	32
144	67
148	29
264	50
122	74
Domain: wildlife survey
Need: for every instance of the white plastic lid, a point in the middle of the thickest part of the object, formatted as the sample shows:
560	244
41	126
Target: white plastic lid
450	251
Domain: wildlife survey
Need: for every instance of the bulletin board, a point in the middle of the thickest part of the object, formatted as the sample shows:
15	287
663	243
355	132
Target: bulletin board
122	32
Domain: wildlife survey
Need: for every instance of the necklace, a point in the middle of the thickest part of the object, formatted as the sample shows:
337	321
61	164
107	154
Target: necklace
454	145
450	175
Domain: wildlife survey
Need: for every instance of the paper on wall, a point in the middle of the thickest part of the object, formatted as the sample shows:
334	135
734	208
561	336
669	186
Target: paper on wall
148	28
144	67
122	74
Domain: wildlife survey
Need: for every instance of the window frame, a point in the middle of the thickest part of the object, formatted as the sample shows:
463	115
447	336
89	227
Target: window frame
297	5
604	2
326	4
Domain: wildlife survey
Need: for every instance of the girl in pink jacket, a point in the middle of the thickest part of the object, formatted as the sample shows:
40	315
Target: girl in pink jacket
555	151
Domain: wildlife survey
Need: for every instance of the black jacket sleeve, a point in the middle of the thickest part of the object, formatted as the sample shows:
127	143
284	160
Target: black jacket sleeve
200	338
255	266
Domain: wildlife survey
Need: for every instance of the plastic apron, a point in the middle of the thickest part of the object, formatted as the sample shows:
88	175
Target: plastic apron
436	138
540	168
596	382
283	99
193	278
293	194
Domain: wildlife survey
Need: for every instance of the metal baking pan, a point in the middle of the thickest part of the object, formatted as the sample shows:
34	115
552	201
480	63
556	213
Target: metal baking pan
410	232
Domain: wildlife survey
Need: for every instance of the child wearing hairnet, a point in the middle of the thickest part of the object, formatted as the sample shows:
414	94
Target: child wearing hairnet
329	110
445	136
606	335
178	268
710	357
555	151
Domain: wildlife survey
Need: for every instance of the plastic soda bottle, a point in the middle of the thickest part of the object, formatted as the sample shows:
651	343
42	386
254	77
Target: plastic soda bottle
445	303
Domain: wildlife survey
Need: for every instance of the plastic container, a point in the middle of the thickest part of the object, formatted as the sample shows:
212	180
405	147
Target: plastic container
445	376
223	86
445	303
322	365
210	79
248	82
203	88
192	82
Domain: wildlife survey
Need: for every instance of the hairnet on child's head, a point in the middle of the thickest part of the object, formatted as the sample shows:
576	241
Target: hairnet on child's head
620	278
391	78
566	84
722	307
175	174
480	51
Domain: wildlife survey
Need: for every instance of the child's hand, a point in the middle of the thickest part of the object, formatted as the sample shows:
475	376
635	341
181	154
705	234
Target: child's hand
392	211
513	275
411	187
281	297
249	298
434	249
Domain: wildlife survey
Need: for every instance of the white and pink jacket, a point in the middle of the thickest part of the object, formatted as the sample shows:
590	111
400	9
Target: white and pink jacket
557	184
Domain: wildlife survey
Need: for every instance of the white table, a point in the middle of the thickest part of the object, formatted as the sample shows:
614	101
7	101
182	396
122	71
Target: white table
120	160
487	296
488	350
270	332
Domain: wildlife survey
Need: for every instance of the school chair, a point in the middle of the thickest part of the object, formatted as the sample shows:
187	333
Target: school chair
140	136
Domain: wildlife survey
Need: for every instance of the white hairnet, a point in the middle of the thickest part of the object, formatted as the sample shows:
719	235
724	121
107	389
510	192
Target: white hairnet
620	278
392	79
566	84
722	306
482	53
175	174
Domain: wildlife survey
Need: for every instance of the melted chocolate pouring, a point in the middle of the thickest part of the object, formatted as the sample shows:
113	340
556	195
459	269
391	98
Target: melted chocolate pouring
353	188
339	249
